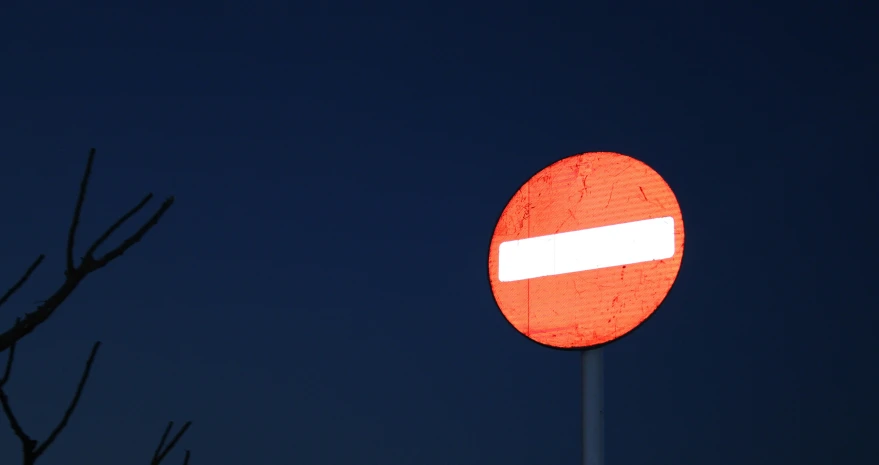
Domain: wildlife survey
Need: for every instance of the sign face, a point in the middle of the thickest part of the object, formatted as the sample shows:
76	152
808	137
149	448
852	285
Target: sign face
586	250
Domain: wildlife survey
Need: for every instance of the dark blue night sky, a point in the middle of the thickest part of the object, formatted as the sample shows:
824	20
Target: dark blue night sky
318	293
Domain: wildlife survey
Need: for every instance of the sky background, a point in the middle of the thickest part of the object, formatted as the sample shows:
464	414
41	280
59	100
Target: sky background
318	293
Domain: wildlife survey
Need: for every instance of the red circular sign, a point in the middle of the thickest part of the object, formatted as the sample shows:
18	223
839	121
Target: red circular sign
586	250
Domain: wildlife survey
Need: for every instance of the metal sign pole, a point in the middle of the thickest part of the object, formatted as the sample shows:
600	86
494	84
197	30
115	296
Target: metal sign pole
593	407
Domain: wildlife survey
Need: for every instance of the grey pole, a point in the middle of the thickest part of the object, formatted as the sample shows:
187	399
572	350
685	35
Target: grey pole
593	407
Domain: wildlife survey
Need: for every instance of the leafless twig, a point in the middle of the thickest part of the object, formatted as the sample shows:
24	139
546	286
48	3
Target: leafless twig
10	358
162	451
27	274
75	274
31	448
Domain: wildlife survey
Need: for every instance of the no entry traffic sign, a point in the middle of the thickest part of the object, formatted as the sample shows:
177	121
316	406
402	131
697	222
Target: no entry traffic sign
586	250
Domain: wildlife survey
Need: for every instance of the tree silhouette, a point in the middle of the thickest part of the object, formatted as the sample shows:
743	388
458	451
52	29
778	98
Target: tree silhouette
74	274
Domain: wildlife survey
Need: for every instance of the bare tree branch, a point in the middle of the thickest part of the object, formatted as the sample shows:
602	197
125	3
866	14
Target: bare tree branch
27	274
162	441
73	274
27	443
8	371
91	264
160	453
80	199
91	251
73	402
31	451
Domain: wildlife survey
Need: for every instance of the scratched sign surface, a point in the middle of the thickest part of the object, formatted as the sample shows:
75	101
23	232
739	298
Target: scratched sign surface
586	250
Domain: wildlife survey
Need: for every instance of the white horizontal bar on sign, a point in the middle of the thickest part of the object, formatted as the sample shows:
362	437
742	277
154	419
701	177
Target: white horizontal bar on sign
587	249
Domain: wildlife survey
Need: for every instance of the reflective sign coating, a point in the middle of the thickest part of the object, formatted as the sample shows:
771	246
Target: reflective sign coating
586	250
